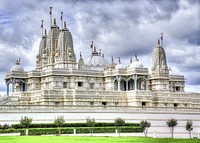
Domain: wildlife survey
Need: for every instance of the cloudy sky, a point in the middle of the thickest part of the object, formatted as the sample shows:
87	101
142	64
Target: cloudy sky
119	28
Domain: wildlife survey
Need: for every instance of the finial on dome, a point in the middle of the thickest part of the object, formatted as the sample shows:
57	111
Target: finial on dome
54	22
18	61
136	59
161	38
50	12
65	25
45	31
61	19
112	59
100	52
130	60
42	27
119	60
159	42
95	49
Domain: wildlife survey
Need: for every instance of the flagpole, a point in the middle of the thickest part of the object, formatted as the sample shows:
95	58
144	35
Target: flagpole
161	39
61	18
92	45
42	27
50	17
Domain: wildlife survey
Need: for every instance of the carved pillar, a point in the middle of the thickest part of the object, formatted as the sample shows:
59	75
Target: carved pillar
119	79
146	84
8	89
135	82
126	85
118	85
13	87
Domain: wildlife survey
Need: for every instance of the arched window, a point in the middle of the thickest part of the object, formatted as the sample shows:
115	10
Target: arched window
123	85
115	85
131	85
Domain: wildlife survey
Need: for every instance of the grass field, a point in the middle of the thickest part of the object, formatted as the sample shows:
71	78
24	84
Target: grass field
63	139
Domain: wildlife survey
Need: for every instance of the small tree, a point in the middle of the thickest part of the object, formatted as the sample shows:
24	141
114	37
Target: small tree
171	123
90	123
118	123
25	123
189	127
59	121
145	126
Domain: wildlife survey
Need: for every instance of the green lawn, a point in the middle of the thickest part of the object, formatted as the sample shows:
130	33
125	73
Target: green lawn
64	139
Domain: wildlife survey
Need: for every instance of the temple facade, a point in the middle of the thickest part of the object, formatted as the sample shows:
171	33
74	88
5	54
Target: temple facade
60	79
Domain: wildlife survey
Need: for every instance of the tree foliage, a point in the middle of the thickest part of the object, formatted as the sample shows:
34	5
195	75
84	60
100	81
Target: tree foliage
59	121
189	127
145	125
171	123
90	123
25	122
119	122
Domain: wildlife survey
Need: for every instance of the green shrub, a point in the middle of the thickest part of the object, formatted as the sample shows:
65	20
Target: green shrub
47	131
79	130
51	125
10	130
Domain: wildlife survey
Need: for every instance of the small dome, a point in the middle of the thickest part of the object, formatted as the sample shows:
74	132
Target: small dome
17	67
119	65
136	63
96	60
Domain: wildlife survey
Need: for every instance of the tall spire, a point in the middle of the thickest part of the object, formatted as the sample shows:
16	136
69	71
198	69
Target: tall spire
130	60
50	12
45	32
61	19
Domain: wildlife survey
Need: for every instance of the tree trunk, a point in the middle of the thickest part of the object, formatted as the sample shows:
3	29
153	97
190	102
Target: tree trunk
26	132
59	130
172	132
190	134
146	131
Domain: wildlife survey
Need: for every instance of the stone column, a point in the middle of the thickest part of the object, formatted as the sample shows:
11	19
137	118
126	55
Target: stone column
135	82
119	79
13	88
118	85
146	84
7	89
126	85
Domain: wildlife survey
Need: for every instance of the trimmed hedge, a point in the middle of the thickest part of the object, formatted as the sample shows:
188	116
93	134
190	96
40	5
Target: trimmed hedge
79	130
10	130
51	125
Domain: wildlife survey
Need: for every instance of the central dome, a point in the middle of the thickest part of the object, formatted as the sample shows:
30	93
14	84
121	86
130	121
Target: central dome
96	60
